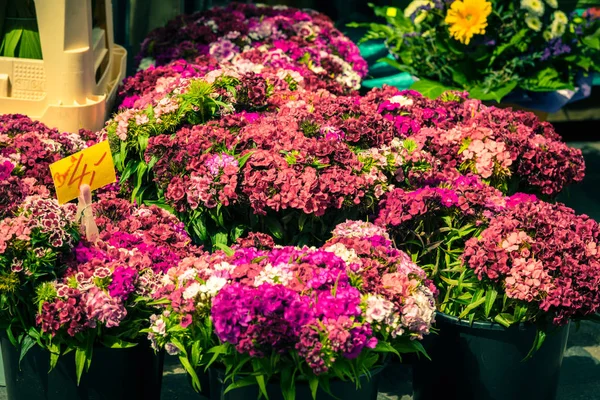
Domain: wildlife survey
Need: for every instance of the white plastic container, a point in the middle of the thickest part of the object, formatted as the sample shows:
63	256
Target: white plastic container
75	84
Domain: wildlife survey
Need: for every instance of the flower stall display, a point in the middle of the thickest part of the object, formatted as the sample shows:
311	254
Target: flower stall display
252	36
492	49
295	316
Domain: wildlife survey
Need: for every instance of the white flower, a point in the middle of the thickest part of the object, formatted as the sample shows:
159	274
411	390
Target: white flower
348	255
212	25
146	63
191	291
536	7
279	274
557	27
232	35
534	23
552	3
213	285
187	275
402	100
378	308
560	17
223	266
159	326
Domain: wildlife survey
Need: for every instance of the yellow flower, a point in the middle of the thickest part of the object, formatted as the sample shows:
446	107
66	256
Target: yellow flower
536	7
560	17
533	23
467	18
552	3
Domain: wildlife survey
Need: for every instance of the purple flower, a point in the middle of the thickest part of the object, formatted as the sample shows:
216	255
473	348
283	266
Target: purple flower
6	168
122	284
556	47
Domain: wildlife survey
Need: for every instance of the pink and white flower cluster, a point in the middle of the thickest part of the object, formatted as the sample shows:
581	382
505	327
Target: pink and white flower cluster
323	304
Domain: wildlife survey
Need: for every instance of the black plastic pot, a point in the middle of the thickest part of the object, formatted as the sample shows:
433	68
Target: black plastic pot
340	389
484	362
115	374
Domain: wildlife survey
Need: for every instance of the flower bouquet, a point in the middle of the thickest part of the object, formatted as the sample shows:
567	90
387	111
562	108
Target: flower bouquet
294	316
490	48
250	36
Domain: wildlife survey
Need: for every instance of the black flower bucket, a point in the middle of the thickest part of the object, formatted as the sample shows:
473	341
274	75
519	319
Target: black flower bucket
484	361
116	374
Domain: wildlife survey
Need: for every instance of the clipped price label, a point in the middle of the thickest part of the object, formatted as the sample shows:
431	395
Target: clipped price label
92	166
391	12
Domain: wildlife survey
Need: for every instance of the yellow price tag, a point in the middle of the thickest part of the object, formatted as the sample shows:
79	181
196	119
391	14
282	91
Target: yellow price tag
92	166
391	12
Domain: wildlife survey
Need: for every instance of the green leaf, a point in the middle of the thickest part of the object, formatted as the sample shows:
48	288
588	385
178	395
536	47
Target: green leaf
430	89
516	40
236	232
226	249
302	221
260	379
410	346
26	345
496	94
219	239
593	40
11	41
54	354
247	381
30	46
113	342
490	298
274	227
187	365
80	361
385	347
504	319
471	307
545	80
459	76
288	387
242	160
540	337
313	383
393	63
216	351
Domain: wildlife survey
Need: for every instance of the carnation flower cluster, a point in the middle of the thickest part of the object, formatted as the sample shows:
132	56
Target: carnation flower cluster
544	255
323	304
105	281
315	152
27	148
254	37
